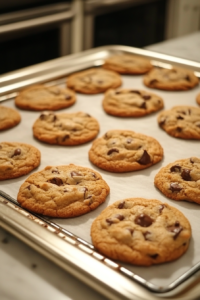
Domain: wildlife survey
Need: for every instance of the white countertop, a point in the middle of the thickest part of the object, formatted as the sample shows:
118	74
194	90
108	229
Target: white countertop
25	274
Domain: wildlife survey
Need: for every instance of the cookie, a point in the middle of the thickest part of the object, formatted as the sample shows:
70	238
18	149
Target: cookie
123	151
40	97
128	64
131	103
181	122
94	81
175	79
198	99
17	159
180	180
63	191
141	232
8	117
66	129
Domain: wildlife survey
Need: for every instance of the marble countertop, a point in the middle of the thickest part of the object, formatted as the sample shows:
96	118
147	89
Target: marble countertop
25	274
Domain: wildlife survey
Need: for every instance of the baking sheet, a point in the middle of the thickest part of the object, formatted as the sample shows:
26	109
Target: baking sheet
132	184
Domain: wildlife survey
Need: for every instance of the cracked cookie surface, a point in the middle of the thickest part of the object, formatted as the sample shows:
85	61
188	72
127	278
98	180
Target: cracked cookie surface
175	79
181	122
128	64
63	191
131	103
8	117
141	232
180	180
123	151
17	159
94	81
66	129
40	97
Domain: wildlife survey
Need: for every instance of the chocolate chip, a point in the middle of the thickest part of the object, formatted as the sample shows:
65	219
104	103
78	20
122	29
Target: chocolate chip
187	78
130	230
56	180
100	81
129	141
121	205
175	168
185	174
154	256
0	147
192	160
175	187
43	116
65	137
162	121
120	217
151	82
198	124
109	221
74	173
143	105
179	129
180	118
112	150
176	229
85	190
68	97
146	97
146	234
28	187
143	220
55	171
161	207
118	92
65	190
16	152
184	244
94	175
135	92
145	158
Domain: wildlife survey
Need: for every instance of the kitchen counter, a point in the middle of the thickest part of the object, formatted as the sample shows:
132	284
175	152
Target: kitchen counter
25	274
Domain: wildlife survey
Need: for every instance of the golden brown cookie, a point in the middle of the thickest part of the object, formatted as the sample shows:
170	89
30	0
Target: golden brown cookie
175	79
63	191
94	81
180	180
128	64
123	151
131	103
17	159
65	129
41	97
141	232
181	122
8	117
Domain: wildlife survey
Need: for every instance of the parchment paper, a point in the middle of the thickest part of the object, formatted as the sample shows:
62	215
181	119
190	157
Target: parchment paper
122	186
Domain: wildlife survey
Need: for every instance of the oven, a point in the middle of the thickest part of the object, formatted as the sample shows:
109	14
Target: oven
33	31
135	23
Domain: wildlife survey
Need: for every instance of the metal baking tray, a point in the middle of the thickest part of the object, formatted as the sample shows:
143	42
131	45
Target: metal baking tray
59	240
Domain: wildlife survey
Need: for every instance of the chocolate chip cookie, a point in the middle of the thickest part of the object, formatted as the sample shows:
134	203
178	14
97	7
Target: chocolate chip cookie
180	180
66	129
131	103
175	79
128	64
198	99
141	232
42	97
63	191
123	151
181	122
94	81
8	117
17	159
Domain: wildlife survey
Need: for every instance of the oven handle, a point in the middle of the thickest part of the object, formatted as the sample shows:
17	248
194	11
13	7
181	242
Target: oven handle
41	21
